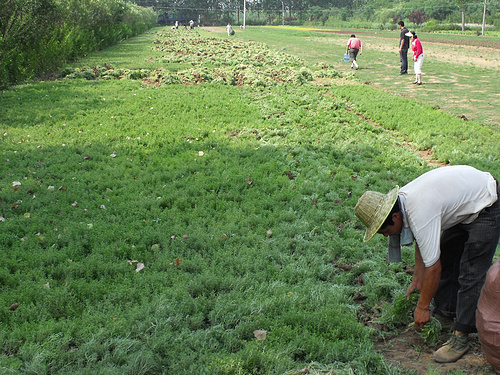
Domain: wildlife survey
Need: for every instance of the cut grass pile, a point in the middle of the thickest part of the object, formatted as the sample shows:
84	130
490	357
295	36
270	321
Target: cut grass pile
211	60
190	229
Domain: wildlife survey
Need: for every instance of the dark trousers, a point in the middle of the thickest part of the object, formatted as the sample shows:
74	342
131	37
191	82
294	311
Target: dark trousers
353	54
403	57
467	252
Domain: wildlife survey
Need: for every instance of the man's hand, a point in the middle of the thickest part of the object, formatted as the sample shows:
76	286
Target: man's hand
415	285
422	316
427	280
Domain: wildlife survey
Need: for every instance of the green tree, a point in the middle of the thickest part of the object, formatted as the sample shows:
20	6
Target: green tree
439	9
21	23
20	20
462	5
37	36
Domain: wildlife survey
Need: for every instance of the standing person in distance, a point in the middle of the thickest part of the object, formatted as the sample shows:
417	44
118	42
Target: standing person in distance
354	46
418	57
404	44
229	28
452	214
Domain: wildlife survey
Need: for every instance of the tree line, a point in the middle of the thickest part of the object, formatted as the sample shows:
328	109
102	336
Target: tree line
37	36
323	12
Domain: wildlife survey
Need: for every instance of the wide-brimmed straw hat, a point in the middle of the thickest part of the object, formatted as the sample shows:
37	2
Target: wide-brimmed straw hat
373	208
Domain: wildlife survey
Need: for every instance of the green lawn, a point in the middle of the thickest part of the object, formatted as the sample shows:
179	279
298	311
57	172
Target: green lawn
155	228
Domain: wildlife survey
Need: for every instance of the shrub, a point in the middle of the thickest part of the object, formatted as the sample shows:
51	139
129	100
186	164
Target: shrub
433	26
39	36
417	17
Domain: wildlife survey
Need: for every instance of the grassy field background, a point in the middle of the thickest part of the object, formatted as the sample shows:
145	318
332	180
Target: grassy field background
460	73
155	228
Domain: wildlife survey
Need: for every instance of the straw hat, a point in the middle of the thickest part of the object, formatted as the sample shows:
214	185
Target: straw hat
373	208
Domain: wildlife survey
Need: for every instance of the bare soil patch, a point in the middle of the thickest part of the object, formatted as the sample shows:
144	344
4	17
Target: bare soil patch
484	42
409	351
342	32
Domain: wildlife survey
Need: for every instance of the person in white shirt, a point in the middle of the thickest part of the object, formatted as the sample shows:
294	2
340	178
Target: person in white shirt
452	214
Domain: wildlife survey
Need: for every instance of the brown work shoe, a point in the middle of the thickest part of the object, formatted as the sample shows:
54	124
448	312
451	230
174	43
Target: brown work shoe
453	349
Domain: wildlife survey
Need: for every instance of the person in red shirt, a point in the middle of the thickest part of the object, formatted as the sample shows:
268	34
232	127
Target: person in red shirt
354	46
418	56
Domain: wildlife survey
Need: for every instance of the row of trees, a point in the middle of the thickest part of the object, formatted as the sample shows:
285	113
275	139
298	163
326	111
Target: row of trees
37	36
321	11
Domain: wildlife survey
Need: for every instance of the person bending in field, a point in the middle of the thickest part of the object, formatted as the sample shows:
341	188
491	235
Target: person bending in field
354	46
453	216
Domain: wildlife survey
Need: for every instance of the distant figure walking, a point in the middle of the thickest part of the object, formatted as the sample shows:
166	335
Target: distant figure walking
191	24
418	57
176	24
354	46
229	29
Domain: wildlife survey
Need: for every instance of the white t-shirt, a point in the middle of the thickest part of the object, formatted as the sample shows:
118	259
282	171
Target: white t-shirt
442	198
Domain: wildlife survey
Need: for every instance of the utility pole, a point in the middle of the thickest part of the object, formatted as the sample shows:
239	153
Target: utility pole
244	13
282	13
484	18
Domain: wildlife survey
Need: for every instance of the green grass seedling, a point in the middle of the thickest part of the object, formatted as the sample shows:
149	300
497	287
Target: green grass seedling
149	227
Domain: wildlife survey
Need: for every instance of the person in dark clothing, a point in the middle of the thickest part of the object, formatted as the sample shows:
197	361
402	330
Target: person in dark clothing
404	45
